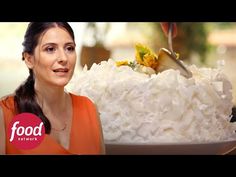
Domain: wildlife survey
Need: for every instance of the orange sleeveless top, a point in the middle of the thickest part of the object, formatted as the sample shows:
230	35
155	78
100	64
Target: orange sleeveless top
85	135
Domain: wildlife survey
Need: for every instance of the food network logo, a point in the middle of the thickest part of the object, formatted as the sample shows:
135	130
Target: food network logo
26	131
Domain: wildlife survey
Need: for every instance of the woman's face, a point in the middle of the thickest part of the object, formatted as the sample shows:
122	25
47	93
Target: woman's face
54	57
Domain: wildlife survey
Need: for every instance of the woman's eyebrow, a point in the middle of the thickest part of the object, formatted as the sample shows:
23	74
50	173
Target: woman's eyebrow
70	43
49	43
54	44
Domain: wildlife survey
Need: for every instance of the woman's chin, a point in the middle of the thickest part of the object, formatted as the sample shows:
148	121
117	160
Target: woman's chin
61	83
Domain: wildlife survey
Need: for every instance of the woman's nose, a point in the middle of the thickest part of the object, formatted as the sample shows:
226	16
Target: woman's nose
62	57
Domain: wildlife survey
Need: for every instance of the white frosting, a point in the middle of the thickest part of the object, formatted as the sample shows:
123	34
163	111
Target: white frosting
166	107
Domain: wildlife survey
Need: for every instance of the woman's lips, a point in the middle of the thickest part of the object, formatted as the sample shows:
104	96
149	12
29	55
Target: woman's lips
61	71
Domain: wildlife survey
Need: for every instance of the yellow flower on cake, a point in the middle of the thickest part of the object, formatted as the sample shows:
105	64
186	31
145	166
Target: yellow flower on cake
145	56
122	63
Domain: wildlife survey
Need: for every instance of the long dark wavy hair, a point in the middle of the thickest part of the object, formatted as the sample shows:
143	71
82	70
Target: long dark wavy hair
25	95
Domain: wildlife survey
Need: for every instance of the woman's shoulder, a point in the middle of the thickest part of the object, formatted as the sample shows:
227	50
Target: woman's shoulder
7	107
83	103
6	98
81	98
7	101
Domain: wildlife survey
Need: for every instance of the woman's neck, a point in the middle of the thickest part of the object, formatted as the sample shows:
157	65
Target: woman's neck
51	98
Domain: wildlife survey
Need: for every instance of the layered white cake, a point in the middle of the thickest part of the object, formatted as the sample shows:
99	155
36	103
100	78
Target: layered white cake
166	107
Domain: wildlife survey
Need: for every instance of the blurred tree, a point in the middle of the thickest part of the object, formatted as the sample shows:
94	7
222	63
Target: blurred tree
220	25
192	38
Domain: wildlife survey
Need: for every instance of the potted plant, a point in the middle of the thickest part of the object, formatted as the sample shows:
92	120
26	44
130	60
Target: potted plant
96	51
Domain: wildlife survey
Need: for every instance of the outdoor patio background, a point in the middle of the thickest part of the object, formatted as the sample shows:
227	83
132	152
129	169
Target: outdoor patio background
121	43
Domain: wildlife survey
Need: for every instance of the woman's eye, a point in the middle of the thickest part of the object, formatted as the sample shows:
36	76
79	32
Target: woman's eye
50	49
70	48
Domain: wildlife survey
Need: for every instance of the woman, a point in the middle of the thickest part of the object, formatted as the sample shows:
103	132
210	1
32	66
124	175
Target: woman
71	122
